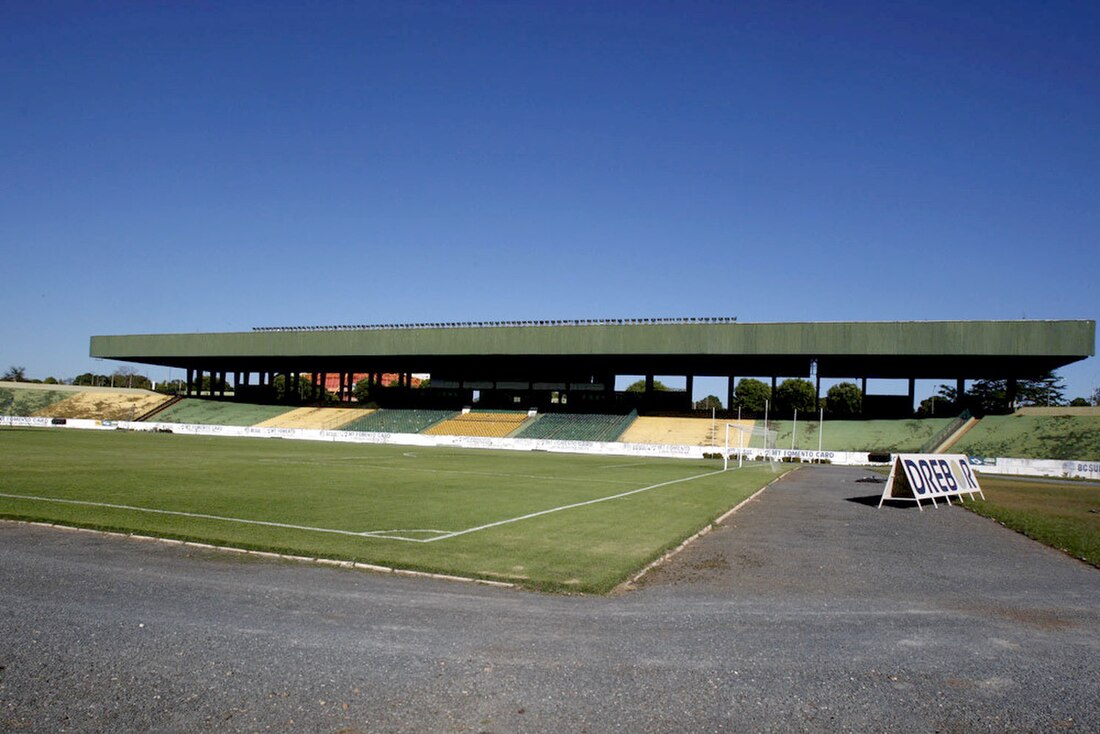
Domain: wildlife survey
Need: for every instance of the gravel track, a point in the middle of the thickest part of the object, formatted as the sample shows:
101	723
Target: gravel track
808	610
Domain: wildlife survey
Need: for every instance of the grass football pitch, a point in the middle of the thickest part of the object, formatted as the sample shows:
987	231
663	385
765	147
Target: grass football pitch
545	521
1064	515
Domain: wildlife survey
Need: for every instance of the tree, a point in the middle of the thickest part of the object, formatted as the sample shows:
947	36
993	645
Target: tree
844	399
943	403
90	379
1046	389
171	387
991	396
50	381
708	403
1096	396
988	396
15	374
305	390
795	394
129	377
1078	403
639	386
362	392
209	385
751	395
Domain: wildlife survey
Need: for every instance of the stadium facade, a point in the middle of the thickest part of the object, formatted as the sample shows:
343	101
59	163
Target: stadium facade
543	363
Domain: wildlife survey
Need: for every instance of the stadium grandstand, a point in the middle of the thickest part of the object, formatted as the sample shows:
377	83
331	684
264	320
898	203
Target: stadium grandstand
572	365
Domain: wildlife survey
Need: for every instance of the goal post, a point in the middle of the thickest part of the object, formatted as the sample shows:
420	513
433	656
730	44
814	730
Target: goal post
740	440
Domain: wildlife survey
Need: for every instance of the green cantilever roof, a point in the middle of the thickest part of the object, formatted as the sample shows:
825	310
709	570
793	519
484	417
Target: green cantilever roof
918	349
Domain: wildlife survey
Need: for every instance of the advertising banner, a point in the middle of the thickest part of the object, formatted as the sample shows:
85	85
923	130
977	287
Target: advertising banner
916	477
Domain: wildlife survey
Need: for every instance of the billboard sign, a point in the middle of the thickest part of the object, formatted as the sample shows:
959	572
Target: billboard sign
917	477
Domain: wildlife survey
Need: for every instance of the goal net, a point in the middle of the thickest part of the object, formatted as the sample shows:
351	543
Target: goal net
748	442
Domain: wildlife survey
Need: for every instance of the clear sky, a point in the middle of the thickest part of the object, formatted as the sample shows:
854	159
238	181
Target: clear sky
201	166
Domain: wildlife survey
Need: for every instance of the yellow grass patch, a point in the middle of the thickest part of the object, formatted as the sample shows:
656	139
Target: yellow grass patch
111	406
321	418
681	431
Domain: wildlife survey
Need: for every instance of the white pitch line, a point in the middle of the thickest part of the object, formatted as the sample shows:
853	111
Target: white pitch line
179	513
382	534
570	507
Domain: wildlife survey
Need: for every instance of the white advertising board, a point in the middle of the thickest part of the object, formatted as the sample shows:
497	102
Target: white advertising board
916	477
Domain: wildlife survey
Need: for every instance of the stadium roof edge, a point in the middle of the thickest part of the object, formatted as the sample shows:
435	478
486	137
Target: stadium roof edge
841	348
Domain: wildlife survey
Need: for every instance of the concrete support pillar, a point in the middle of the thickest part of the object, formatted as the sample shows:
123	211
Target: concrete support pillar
960	390
775	388
190	382
1011	392
649	384
912	394
729	392
689	386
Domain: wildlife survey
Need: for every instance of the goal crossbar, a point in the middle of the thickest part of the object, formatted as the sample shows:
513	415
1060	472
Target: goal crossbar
738	439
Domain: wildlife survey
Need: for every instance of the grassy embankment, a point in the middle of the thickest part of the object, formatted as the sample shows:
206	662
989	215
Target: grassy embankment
1074	438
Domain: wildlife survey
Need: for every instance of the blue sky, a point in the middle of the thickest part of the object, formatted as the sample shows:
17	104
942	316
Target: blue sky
217	166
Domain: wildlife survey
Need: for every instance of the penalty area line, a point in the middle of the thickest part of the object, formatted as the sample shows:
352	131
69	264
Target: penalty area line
201	516
498	523
380	534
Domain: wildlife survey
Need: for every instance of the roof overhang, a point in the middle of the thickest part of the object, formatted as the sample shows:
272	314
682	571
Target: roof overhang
906	349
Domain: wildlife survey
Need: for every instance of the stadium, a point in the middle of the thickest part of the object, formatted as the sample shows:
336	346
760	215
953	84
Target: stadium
502	456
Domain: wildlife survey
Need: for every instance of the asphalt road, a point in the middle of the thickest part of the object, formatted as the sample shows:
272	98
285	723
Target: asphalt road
809	610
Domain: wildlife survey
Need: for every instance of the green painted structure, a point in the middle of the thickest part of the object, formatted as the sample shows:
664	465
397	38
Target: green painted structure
533	359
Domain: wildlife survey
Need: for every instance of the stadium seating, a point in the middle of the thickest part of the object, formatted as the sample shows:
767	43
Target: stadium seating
488	424
679	431
398	421
584	427
218	412
319	418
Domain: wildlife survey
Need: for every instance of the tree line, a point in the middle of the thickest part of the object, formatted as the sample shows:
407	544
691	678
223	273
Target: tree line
845	399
